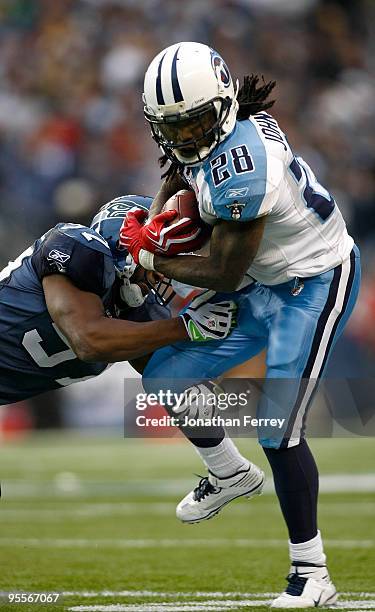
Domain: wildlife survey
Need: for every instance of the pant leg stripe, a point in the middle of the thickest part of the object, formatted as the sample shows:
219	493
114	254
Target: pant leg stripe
329	319
331	338
345	303
335	314
323	321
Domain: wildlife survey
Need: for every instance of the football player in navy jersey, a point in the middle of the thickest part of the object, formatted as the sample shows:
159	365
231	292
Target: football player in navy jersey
279	247
75	301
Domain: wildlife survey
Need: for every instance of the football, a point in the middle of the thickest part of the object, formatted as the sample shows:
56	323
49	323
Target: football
186	205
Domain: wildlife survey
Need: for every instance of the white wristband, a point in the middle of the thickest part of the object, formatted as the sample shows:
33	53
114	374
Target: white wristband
146	259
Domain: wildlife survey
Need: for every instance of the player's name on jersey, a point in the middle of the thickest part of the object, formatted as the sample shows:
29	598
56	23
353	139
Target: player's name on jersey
215	421
270	128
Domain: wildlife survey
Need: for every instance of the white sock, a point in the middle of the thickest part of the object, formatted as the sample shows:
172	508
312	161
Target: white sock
309	552
224	459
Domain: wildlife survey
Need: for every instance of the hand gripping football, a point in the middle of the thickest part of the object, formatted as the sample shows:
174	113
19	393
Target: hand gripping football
185	204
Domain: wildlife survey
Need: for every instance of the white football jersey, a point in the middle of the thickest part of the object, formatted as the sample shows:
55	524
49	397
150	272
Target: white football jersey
253	173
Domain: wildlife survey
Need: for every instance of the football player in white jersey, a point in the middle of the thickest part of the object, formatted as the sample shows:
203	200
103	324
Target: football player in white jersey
280	248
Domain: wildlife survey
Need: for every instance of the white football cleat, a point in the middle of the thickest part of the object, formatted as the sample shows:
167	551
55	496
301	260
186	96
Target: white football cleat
213	493
309	587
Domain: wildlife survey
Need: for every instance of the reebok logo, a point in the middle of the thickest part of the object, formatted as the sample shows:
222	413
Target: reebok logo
237	193
58	256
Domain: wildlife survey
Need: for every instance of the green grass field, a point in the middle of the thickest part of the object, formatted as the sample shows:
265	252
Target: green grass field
93	519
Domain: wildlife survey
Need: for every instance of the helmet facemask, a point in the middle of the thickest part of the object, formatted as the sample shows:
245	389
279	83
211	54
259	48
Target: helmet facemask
203	127
162	290
130	288
130	293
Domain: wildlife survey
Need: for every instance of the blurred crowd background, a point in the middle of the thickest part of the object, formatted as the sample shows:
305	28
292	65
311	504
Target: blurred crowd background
72	132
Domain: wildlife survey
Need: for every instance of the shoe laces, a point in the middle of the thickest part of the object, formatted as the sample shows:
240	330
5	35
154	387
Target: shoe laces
203	489
296	584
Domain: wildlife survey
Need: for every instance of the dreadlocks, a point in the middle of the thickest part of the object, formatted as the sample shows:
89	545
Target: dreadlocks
172	170
252	99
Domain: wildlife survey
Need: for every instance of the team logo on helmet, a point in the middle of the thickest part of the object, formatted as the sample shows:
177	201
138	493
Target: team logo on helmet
220	69
117	208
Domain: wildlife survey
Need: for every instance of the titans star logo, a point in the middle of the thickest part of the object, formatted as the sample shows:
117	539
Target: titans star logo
220	69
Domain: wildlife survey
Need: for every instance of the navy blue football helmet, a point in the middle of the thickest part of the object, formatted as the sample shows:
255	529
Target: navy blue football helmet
107	222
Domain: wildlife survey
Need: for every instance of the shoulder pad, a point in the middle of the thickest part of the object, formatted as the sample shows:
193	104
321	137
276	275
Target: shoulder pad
242	178
80	254
85	235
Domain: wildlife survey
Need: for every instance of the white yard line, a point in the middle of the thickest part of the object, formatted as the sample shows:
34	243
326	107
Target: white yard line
176	607
13	489
168	595
81	511
168	543
231	604
84	510
190	595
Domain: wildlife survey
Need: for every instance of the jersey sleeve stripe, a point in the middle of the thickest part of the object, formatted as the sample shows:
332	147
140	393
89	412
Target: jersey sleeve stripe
295	169
259	178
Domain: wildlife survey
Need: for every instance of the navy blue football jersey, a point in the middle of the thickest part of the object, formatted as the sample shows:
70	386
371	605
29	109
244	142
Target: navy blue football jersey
34	354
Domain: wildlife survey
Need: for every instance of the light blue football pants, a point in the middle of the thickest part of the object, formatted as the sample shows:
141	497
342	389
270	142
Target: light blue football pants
299	332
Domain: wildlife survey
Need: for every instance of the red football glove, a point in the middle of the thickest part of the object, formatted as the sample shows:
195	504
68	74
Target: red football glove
156	237
169	240
130	232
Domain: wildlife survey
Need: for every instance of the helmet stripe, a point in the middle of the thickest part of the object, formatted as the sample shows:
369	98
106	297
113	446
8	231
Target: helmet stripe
175	84
159	91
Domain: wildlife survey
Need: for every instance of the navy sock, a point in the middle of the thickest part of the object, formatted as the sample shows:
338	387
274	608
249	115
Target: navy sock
297	483
210	436
203	437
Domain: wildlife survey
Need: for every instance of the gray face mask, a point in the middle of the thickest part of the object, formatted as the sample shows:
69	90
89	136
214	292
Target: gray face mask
130	293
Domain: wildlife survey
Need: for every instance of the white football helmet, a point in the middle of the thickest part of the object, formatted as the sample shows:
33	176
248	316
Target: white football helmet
190	101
